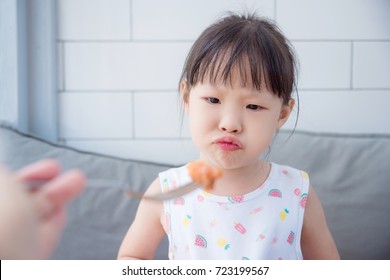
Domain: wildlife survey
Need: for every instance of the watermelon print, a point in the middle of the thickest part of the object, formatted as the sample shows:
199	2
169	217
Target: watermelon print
179	201
200	241
275	193
303	200
236	199
290	238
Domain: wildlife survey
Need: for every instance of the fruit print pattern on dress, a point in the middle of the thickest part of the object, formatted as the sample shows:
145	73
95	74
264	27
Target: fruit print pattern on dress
223	244
256	210
167	222
186	220
165	185
287	174
303	200
283	214
239	227
297	191
200	241
236	199
262	235
304	175
275	193
224	206
290	238
179	201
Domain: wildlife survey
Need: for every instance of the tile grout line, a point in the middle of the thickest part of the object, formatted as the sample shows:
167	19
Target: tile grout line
352	64
131	22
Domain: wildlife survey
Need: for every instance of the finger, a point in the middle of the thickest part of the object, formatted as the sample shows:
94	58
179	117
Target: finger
58	192
43	169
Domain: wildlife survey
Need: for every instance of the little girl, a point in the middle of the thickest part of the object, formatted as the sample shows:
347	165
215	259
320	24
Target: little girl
236	88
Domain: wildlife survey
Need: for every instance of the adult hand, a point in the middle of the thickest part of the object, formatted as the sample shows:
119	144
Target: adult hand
31	221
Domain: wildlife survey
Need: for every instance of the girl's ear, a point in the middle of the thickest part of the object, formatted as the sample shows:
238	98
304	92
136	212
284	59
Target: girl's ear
285	112
184	93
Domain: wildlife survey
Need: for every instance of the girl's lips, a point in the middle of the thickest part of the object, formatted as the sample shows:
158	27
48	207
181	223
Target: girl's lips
228	143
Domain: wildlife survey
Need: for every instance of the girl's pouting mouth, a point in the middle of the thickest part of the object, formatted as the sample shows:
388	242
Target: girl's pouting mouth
228	143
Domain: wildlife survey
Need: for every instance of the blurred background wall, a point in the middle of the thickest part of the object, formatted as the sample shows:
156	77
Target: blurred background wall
118	62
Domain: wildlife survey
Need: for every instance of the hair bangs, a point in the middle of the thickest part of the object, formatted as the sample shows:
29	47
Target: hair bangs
247	48
228	62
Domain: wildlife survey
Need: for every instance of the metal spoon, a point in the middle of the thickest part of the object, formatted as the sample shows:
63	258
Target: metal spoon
32	184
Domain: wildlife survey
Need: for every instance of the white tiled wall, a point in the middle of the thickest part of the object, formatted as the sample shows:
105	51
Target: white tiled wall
371	64
94	20
120	61
342	20
178	20
324	65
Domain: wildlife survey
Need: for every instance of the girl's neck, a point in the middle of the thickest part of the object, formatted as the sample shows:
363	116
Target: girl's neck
243	180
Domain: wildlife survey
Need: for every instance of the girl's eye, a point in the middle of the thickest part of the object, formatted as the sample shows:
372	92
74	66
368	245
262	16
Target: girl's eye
254	107
213	100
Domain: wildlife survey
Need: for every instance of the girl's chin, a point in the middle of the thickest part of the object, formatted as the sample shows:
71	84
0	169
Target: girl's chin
228	160
223	160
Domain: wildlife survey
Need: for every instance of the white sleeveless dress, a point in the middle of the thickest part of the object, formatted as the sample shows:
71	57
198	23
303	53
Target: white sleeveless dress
263	224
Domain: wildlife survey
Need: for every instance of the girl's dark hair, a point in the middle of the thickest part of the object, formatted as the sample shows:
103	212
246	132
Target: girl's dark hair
248	45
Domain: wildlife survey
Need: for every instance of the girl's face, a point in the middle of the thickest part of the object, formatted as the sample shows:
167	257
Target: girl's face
232	125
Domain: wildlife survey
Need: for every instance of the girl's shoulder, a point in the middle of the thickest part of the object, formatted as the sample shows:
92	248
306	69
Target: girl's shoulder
287	171
287	175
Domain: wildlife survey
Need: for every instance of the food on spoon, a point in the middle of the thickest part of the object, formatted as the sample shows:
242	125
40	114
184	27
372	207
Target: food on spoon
203	173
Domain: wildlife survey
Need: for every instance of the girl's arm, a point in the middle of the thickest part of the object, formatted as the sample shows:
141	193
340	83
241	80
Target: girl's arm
317	241
146	232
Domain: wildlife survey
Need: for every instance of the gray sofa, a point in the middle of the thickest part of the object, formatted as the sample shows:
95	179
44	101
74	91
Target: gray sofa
351	174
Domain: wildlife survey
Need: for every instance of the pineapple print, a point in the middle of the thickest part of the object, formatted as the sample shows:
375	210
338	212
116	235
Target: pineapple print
223	244
165	185
186	220
283	214
304	175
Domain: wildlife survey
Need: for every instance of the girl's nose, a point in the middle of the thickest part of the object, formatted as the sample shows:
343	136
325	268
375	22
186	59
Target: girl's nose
230	122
